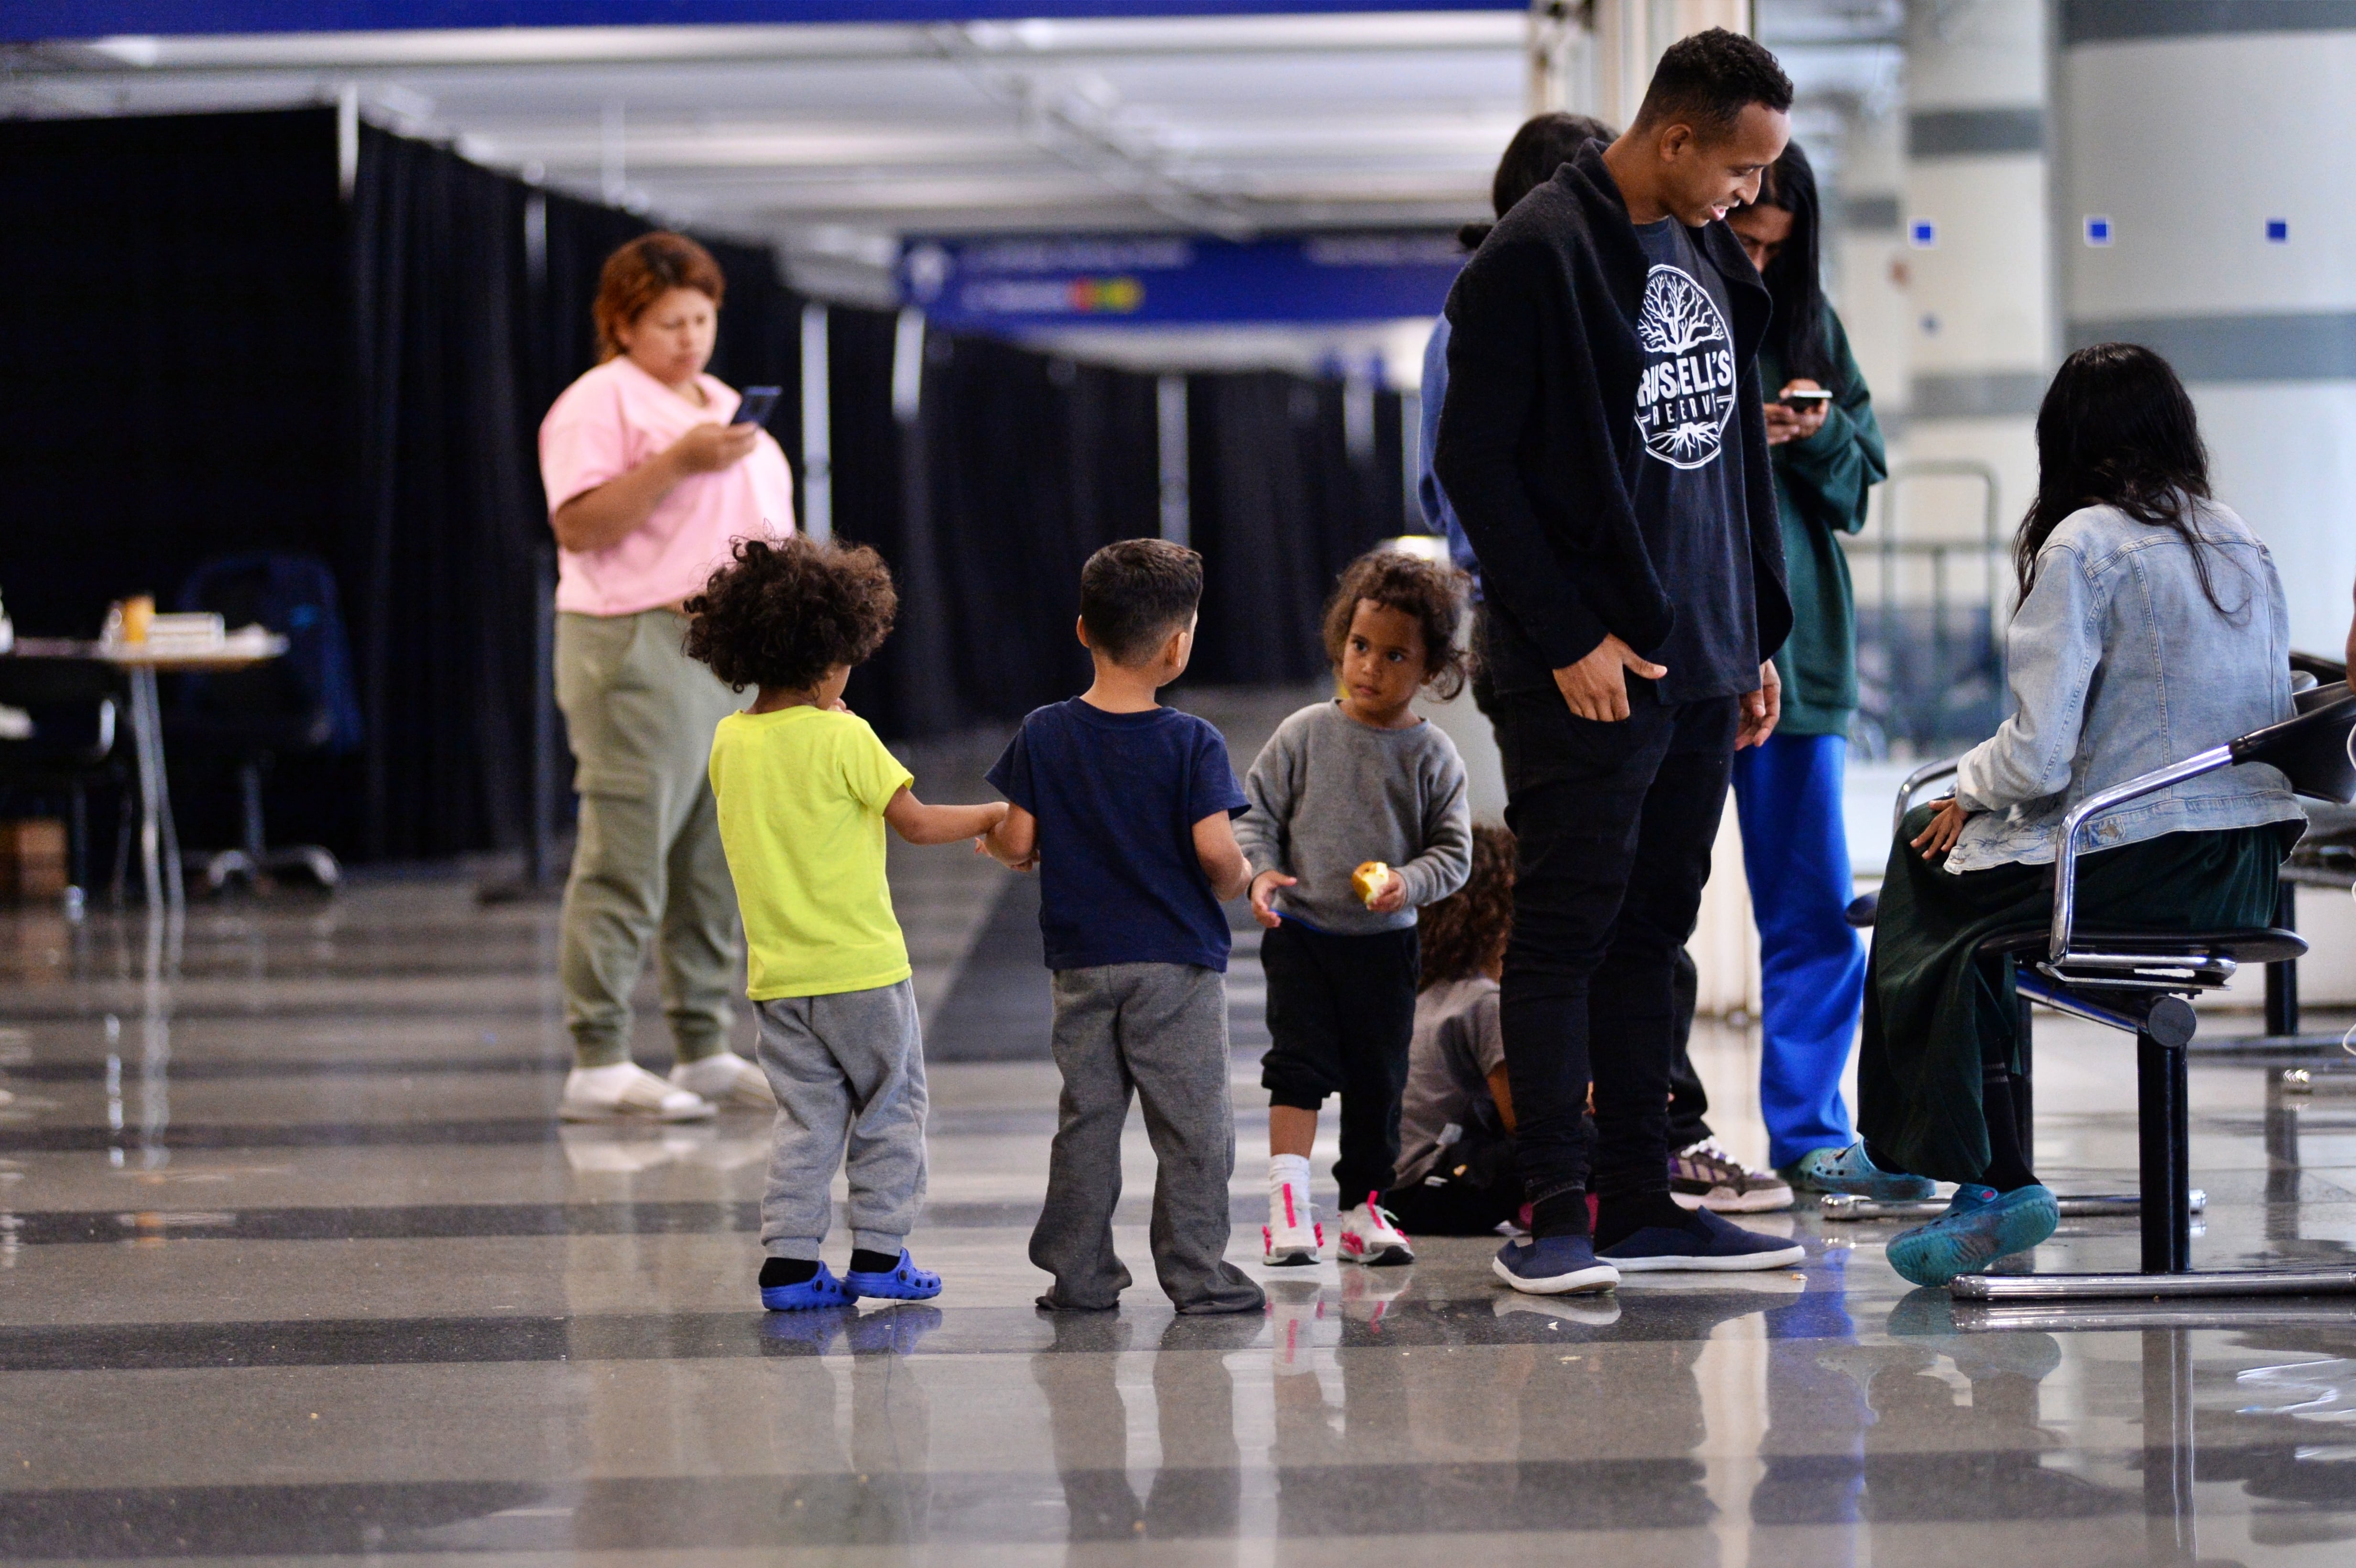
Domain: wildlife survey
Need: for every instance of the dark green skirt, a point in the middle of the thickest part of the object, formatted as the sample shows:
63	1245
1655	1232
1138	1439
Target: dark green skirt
1934	1012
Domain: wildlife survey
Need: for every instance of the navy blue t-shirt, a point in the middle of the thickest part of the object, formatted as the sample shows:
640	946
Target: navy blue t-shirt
1117	796
1687	479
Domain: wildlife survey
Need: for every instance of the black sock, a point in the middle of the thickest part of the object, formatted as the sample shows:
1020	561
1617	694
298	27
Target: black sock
865	1262
1623	1214
2008	1168
1564	1214
775	1272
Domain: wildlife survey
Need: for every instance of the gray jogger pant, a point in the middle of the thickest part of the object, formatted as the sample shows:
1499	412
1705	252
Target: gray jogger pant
848	1071
1158	1029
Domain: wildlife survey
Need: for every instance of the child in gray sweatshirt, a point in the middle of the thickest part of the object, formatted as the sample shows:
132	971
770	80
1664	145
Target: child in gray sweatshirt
1359	784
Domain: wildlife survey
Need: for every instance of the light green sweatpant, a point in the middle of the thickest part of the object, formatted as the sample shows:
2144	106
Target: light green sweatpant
648	867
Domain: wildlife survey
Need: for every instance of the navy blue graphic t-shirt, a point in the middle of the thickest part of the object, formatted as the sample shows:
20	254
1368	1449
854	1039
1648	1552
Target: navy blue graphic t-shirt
1687	480
1117	796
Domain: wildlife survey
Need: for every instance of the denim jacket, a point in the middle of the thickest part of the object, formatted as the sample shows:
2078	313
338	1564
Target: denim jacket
2119	665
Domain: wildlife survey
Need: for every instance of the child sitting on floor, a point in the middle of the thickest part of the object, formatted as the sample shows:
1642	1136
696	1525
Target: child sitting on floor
1456	1173
1341	784
804	790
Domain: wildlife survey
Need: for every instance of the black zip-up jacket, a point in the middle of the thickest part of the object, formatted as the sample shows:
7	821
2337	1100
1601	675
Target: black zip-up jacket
1538	433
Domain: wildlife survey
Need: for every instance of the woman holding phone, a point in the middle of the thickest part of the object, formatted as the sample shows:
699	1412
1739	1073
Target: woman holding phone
1827	453
648	481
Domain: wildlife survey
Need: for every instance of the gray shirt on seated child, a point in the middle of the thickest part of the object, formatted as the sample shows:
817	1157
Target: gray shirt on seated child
1329	793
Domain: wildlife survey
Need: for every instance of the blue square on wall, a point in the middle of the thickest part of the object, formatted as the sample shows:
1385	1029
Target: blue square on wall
1921	234
2278	230
2098	231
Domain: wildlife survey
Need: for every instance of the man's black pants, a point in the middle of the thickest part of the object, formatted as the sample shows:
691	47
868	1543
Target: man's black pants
1614	823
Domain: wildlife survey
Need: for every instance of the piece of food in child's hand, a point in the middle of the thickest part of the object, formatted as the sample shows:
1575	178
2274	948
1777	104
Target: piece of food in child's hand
1369	881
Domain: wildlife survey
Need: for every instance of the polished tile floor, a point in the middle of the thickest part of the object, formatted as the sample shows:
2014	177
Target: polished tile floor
295	1263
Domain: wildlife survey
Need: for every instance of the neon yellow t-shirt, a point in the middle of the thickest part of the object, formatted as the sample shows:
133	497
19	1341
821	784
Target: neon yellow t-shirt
801	794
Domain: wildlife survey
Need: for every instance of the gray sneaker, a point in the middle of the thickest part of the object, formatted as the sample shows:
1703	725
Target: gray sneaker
1705	1177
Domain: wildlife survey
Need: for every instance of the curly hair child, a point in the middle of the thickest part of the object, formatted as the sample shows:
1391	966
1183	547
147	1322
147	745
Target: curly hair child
1456	1175
805	790
1358	815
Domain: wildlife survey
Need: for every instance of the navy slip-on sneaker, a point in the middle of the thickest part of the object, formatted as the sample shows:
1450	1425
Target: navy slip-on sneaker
822	1289
1554	1266
1704	1242
1980	1226
1849	1171
903	1282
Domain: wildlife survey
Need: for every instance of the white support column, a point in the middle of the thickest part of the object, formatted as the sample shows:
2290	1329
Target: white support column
1983	341
817	428
1170	430
2196	132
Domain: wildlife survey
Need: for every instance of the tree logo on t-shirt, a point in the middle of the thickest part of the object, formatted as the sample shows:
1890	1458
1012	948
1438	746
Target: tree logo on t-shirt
1686	393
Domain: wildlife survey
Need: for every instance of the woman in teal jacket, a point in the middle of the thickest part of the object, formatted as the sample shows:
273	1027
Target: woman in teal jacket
1827	454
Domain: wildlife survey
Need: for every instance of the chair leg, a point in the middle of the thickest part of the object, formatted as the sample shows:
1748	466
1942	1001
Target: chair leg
2169	1521
2282	979
2163	1111
2023	1082
248	794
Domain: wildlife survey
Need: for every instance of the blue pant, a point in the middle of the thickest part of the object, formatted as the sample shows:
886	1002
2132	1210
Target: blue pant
1812	965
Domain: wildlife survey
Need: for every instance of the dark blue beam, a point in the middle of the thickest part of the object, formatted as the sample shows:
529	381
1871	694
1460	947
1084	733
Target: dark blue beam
28	21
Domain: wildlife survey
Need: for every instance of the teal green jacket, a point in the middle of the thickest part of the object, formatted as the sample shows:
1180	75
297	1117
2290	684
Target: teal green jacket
1820	489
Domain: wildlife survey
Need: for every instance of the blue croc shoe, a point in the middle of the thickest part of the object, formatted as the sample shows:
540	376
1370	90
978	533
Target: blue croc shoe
1980	1226
903	1282
1847	1170
1704	1242
1554	1266
822	1289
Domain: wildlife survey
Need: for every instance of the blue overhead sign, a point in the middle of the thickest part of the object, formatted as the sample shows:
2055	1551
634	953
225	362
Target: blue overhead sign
1010	283
29	21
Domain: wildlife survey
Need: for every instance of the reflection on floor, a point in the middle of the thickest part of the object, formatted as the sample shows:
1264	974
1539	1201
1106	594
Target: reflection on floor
295	1262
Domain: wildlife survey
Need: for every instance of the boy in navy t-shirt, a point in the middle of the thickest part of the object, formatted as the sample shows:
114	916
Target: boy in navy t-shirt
1125	808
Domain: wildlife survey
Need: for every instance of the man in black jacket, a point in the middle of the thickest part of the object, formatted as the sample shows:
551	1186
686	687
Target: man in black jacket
1604	447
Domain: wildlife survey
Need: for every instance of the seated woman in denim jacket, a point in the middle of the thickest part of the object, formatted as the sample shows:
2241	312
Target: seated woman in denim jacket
2151	626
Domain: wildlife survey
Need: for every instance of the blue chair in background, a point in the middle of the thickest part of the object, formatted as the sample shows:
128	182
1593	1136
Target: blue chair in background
303	702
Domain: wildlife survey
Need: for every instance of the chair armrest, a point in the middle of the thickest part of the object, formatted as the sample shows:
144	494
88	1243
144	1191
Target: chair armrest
2065	852
1928	773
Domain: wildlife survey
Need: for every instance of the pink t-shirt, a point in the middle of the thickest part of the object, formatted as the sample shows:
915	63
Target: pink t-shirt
606	423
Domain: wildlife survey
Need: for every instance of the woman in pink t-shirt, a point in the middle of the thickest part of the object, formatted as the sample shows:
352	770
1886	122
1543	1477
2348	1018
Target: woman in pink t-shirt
648	484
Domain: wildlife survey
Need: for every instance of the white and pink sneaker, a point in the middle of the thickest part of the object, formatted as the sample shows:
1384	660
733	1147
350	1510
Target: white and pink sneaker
1293	1238
1370	1236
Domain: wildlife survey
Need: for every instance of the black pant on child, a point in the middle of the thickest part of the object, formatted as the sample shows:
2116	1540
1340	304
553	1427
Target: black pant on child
1341	1014
1615	823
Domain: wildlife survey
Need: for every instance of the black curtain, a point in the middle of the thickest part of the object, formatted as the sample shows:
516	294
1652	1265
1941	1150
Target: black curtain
175	383
438	567
1279	505
1034	463
898	690
173	377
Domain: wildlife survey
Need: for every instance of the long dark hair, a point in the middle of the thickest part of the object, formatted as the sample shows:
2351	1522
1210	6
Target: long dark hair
1543	144
1795	278
2116	428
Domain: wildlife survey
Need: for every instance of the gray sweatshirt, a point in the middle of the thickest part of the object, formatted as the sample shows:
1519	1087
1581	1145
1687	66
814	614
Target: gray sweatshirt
1328	793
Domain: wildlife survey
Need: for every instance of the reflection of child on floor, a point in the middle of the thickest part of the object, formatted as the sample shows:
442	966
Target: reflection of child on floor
1456	1172
805	790
1341	784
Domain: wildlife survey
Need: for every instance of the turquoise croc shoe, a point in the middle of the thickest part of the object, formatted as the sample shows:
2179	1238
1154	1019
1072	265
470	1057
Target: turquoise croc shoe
1980	1226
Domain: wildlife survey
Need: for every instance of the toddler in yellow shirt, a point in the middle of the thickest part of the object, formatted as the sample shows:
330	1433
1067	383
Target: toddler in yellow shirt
804	789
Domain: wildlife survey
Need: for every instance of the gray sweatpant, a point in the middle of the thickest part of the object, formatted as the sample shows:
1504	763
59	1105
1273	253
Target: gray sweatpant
1159	1029
849	1072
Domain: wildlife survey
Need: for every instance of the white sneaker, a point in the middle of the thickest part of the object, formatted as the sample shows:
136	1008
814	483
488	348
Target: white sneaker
1293	1308
1705	1176
1370	1236
1292	1237
727	1081
628	1091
